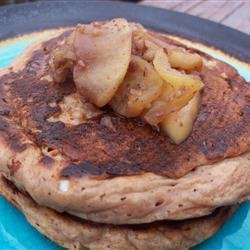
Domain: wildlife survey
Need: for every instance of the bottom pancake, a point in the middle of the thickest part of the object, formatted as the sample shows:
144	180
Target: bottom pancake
74	233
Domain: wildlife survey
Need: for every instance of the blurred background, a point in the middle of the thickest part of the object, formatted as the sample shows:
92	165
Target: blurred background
232	13
4	2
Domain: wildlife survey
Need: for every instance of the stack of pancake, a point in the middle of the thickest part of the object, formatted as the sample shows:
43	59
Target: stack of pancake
114	182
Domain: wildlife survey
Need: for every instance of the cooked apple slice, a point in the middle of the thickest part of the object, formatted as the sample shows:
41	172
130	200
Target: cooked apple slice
141	86
178	90
169	101
62	60
150	51
184	60
175	78
103	54
178	125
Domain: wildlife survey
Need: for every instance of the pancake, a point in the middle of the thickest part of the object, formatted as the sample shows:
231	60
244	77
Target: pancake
126	172
73	233
220	131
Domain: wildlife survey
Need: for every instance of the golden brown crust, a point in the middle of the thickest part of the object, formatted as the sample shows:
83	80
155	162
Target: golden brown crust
131	200
73	233
131	147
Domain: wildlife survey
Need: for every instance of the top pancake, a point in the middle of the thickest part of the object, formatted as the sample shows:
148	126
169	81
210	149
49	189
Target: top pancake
113	170
130	147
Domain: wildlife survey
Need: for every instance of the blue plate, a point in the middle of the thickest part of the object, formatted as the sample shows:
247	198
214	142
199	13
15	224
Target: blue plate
15	232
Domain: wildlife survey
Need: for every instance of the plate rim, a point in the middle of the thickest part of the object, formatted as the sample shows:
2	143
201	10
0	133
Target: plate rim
18	19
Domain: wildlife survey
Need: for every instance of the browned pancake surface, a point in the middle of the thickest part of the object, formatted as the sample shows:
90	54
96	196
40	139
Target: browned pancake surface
130	147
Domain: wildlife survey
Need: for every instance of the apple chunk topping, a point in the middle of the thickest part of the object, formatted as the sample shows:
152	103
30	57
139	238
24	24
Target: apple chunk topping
173	77
62	60
103	54
184	60
178	90
122	65
178	125
141	86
